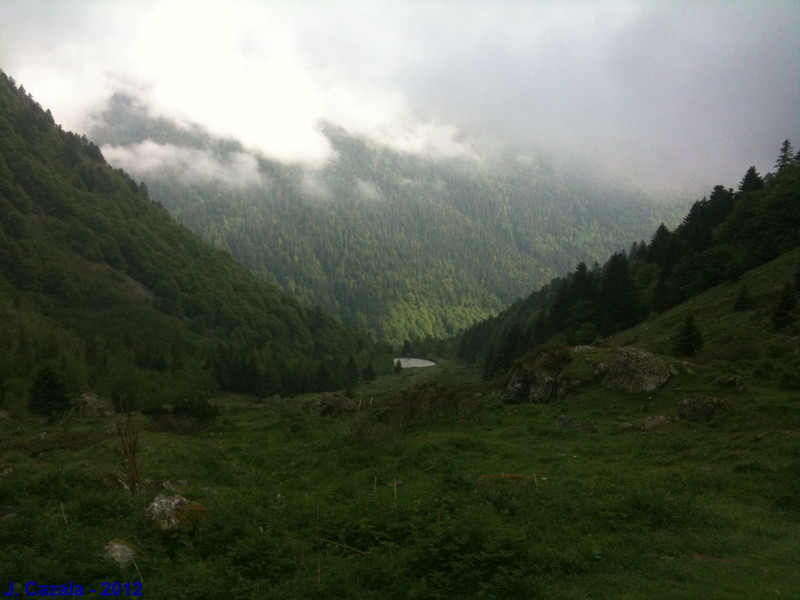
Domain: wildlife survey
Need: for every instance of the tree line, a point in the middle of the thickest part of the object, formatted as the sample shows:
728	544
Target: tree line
722	236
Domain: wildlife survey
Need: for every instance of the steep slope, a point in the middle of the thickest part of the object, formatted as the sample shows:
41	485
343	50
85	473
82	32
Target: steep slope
399	245
101	283
719	240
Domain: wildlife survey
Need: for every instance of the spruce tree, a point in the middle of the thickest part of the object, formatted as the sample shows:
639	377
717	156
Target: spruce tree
783	309
751	182
369	373
786	156
688	340
743	300
49	395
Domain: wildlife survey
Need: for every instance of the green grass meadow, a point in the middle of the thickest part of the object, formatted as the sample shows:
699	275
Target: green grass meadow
499	504
456	496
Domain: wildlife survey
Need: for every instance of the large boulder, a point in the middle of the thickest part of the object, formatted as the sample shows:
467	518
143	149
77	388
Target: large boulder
633	370
336	405
565	422
556	373
543	381
92	405
698	409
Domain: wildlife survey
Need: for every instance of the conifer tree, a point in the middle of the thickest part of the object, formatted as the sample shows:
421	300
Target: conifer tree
783	309
369	373
689	339
49	395
786	156
743	300
351	372
751	182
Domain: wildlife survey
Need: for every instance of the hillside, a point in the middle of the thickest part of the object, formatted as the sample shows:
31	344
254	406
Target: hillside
428	483
401	246
435	488
100	283
721	237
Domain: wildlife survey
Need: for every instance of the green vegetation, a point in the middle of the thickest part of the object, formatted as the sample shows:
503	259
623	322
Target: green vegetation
396	245
424	484
720	238
457	496
99	284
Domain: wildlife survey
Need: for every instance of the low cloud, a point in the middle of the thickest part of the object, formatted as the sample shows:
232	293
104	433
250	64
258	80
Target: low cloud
686	91
237	170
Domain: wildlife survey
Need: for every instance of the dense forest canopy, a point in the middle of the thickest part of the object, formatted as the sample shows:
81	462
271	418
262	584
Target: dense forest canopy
101	285
398	245
723	235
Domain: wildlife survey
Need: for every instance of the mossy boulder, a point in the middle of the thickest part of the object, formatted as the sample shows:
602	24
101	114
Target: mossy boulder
170	514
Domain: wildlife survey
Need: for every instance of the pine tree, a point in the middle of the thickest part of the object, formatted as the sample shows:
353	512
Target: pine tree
369	373
783	309
688	340
743	300
618	299
351	372
751	182
49	395
786	156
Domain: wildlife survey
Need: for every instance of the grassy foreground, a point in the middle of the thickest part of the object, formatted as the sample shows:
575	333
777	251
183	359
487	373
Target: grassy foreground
493	503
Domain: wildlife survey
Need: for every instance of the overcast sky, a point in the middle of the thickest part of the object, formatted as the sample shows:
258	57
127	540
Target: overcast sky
694	90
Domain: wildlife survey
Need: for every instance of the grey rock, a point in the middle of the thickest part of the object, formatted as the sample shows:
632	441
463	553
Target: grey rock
169	514
656	421
92	405
121	552
336	405
698	409
564	422
633	371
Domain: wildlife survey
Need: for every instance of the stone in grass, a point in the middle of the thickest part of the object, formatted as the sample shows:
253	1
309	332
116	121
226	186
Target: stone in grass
336	405
121	552
171	514
586	426
698	409
656	421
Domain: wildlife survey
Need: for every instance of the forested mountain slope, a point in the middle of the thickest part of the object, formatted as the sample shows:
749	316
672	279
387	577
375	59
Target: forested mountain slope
401	246
722	236
102	285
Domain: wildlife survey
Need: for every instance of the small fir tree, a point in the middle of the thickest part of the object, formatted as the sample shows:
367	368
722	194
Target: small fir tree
751	182
744	301
369	373
49	395
689	339
351	372
786	156
783	309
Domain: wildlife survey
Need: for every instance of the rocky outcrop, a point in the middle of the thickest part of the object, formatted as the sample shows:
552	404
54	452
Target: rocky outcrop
586	426
336	405
92	405
633	371
556	374
170	514
121	552
698	409
542	382
656	421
